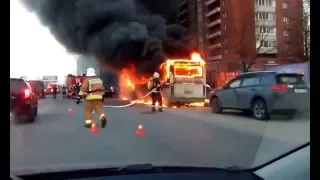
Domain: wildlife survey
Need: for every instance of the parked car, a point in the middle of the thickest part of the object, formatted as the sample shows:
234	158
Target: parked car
263	93
38	88
23	101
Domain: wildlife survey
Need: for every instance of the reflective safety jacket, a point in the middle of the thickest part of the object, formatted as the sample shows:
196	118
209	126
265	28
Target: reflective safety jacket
153	85
93	88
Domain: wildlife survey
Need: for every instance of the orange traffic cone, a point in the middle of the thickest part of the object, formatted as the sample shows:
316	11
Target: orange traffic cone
93	128
140	131
70	111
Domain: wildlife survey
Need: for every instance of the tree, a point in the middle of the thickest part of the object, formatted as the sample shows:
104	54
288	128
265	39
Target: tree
263	44
306	27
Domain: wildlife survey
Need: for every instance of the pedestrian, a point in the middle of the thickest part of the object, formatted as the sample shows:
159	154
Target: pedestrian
93	88
54	92
155	85
64	91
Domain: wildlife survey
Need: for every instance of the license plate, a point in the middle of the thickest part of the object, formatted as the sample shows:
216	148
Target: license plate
300	91
188	92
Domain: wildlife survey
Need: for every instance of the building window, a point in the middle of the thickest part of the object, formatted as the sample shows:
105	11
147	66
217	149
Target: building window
286	32
285	5
263	16
266	29
273	16
268	44
286	19
224	14
264	2
226	51
223	3
273	3
287	46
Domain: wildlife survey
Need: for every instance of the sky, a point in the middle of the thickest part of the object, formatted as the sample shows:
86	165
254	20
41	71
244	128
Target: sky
34	52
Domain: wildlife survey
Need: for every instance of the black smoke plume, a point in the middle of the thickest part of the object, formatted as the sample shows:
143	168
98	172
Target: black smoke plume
118	32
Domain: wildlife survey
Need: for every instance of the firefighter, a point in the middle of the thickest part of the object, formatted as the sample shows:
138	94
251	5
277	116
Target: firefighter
155	85
64	91
93	88
54	93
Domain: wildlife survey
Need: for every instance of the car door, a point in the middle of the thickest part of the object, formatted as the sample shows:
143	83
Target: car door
227	96
247	91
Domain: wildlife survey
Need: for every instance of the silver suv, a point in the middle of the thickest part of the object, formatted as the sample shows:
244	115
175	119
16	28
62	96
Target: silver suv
263	93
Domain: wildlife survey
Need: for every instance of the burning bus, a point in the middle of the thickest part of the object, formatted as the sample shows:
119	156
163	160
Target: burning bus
186	79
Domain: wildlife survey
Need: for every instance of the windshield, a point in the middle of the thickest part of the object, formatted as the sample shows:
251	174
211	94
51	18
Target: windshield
149	72
191	71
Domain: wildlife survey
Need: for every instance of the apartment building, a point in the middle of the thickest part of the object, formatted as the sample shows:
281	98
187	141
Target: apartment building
268	31
84	62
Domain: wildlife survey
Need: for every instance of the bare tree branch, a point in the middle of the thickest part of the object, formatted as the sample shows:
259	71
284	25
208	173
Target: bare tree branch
261	37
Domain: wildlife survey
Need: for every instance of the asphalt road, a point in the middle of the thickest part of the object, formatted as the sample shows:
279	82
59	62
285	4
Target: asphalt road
190	136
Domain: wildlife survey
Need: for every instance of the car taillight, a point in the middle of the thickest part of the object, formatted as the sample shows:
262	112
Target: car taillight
27	93
279	87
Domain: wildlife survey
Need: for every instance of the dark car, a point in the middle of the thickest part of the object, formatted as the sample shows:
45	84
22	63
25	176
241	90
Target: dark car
263	93
38	88
111	91
23	101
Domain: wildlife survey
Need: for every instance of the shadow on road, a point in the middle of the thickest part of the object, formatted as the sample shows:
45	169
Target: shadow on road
274	117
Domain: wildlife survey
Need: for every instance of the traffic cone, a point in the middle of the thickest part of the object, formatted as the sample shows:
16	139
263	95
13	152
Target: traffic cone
140	131
93	128
70	111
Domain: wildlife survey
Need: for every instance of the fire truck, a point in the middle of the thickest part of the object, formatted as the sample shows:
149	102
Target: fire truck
70	82
186	80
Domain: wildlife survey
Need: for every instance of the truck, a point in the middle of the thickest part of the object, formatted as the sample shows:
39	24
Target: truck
186	81
48	81
70	82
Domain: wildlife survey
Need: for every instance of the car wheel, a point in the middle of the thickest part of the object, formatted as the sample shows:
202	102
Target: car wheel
260	110
215	105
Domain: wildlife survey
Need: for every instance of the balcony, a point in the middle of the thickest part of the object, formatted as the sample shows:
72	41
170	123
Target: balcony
183	12
210	13
213	23
213	35
183	21
215	46
183	2
215	58
210	2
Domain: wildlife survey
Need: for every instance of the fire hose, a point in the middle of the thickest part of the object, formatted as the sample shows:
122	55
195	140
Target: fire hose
132	102
135	101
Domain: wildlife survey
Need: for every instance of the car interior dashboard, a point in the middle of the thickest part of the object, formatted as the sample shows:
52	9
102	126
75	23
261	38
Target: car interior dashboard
294	165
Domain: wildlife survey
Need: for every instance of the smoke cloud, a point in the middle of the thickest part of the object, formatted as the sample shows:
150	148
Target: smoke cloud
118	32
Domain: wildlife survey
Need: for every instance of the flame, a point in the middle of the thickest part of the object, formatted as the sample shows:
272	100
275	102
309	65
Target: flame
184	67
128	79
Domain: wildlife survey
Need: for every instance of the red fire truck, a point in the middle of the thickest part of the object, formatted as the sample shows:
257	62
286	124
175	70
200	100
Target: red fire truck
71	81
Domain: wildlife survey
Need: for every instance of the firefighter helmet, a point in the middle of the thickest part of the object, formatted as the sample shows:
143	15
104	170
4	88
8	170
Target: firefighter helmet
156	75
91	72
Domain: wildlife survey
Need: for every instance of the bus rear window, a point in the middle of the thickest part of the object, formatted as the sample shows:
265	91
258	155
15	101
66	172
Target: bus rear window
292	79
189	71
